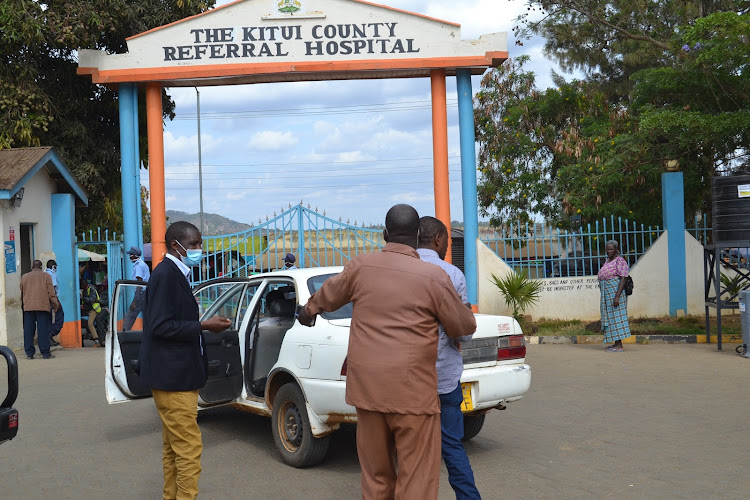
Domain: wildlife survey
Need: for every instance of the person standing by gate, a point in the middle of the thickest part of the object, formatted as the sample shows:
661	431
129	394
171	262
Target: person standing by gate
58	317
432	247
140	273
91	307
391	380
37	295
172	359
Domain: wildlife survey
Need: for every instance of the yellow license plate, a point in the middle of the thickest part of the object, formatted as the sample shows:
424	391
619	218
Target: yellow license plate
467	404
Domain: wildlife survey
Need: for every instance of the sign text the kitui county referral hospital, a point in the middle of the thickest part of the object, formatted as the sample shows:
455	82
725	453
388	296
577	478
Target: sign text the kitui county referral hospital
279	41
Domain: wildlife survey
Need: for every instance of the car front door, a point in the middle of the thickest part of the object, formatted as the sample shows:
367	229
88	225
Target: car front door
222	297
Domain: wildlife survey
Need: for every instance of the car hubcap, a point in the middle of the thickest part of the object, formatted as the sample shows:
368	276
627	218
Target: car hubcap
292	427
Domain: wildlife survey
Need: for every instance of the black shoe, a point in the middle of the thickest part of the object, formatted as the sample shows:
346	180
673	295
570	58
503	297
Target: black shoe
30	357
52	343
50	356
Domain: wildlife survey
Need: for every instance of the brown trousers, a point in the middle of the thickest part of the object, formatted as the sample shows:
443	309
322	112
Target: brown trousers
399	455
181	454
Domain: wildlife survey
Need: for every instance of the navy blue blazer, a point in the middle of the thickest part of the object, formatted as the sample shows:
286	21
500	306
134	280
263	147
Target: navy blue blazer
172	355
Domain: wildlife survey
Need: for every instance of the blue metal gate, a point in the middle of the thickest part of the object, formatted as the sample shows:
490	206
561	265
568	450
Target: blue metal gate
314	239
100	242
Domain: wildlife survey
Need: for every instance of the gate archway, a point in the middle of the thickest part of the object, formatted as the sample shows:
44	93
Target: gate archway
263	41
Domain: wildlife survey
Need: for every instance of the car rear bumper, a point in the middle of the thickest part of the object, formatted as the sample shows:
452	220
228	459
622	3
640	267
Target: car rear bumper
495	385
327	398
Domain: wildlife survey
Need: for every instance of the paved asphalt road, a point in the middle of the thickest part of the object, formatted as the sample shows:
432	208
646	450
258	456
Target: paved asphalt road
656	421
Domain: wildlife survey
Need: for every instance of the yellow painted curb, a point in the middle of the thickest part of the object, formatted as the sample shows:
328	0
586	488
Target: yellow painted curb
729	339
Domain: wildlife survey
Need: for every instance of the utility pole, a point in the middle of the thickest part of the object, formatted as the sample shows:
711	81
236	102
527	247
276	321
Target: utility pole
200	162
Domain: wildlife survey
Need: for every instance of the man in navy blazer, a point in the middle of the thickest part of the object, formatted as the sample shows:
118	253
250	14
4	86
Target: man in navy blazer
173	360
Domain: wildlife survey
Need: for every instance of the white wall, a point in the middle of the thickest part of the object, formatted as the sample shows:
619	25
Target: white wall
35	209
578	297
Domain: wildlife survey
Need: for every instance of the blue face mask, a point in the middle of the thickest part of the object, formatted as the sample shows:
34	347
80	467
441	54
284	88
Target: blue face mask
192	258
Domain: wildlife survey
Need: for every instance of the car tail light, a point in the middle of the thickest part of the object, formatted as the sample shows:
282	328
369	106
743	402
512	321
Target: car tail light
343	369
513	347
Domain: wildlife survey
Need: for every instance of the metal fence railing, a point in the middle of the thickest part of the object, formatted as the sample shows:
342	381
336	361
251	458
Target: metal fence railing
544	252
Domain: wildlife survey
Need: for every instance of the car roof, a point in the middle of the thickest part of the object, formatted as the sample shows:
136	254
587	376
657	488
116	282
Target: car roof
302	274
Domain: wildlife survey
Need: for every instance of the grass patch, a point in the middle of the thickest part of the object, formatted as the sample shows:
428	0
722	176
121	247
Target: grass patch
685	325
560	327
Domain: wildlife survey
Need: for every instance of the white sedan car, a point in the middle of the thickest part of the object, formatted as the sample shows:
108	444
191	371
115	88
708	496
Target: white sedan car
269	364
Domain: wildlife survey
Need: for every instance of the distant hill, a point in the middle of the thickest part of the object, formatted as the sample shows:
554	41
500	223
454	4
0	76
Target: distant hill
214	223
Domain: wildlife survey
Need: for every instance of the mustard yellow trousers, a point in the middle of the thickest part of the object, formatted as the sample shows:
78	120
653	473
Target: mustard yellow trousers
181	454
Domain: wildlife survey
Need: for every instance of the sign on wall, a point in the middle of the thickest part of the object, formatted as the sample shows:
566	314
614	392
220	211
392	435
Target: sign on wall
10	257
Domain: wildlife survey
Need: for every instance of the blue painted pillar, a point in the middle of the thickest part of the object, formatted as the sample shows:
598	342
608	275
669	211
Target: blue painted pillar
468	181
137	173
63	244
673	213
127	95
63	232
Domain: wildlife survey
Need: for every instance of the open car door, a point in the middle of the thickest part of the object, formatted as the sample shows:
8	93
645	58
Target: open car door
217	297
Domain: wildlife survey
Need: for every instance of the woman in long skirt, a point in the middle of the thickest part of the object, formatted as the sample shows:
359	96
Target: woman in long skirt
614	302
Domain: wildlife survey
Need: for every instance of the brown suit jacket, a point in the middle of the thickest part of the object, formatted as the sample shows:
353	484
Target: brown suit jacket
398	303
37	292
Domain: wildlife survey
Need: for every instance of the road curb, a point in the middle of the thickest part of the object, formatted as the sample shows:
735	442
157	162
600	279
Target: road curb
633	339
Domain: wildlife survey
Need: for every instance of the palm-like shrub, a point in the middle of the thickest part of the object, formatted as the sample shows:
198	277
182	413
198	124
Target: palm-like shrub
519	291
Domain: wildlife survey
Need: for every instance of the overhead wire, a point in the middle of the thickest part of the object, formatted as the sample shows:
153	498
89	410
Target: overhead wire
287	187
323	110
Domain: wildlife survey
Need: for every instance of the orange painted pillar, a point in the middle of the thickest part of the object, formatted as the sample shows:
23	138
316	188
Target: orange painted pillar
440	152
155	129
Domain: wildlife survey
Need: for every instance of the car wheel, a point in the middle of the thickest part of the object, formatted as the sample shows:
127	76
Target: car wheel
472	426
291	429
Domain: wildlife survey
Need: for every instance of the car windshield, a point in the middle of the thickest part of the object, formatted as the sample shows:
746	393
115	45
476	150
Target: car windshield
343	312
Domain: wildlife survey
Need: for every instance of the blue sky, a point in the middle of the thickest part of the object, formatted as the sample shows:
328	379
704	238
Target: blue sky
351	148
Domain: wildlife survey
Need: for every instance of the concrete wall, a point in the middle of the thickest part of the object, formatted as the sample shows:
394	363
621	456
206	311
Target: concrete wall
578	297
35	209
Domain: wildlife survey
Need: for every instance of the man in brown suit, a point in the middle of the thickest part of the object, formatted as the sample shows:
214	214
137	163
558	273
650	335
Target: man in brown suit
398	303
37	295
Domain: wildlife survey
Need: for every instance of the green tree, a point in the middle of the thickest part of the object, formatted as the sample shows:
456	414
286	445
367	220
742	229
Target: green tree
698	111
598	147
610	40
44	102
559	152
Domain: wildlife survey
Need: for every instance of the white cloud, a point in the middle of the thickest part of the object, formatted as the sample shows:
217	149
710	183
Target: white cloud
269	140
237	196
412	197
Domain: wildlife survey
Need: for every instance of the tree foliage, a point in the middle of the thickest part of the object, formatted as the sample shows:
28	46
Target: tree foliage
598	146
559	152
610	40
44	102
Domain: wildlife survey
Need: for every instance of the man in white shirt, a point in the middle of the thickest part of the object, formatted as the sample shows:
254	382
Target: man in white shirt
140	273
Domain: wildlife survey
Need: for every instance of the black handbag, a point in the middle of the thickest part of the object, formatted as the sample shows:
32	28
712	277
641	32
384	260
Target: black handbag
628	285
